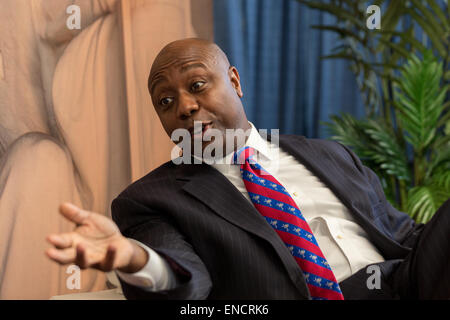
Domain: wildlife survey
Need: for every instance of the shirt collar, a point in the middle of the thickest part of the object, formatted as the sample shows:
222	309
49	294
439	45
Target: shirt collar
254	141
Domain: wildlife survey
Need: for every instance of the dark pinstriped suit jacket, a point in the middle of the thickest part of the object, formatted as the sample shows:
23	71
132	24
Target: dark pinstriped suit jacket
220	246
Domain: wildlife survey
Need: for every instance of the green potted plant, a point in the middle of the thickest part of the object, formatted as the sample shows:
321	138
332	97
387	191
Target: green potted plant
405	137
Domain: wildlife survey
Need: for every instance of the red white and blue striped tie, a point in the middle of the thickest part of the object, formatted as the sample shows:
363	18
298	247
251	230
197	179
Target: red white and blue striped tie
279	209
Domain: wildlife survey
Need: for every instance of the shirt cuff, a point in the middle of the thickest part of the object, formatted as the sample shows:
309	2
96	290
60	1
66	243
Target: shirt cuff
156	275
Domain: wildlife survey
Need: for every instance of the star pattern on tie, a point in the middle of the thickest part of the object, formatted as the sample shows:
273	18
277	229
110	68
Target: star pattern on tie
281	212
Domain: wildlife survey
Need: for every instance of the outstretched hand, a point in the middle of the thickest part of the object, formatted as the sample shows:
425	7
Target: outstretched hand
95	243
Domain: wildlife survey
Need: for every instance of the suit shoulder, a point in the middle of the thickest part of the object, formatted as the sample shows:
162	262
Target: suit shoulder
314	142
325	144
322	147
338	150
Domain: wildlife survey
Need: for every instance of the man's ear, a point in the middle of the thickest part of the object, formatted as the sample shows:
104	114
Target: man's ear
235	80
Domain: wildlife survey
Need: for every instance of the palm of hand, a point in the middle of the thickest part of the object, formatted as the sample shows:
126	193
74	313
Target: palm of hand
96	242
96	235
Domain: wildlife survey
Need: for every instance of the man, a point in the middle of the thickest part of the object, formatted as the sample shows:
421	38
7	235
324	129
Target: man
195	231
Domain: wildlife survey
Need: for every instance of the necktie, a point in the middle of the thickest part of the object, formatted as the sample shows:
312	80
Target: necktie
276	205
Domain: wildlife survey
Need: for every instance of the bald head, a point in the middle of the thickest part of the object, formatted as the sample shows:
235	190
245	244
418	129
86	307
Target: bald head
184	51
191	81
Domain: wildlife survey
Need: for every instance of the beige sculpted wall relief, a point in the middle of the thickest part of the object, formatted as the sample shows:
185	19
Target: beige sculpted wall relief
76	120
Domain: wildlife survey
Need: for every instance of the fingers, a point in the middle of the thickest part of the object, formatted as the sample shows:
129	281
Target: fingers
81	257
78	255
64	256
73	213
73	255
60	241
108	262
63	252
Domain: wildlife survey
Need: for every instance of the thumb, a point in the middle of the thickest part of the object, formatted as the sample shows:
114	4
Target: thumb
73	213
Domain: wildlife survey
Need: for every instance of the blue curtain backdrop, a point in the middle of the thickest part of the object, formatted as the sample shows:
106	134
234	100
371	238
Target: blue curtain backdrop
286	85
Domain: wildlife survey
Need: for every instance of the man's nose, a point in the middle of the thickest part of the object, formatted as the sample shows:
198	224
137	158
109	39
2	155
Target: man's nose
187	105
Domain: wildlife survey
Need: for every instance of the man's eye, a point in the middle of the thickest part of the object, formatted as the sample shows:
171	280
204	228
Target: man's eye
197	85
165	101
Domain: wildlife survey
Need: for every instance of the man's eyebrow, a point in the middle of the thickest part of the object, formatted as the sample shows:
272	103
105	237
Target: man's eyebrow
192	66
155	80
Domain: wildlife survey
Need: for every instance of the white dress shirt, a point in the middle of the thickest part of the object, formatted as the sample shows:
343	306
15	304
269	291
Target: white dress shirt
343	242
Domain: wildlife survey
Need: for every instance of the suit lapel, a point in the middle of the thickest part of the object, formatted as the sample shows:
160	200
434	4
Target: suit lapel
212	188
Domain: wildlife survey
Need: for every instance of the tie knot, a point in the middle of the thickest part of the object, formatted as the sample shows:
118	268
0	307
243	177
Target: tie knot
244	154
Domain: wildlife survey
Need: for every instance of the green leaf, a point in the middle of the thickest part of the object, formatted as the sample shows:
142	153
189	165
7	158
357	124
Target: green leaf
392	15
442	180
441	159
385	150
419	100
406	36
402	51
436	38
423	201
341	31
429	17
440	14
340	12
447	75
372	141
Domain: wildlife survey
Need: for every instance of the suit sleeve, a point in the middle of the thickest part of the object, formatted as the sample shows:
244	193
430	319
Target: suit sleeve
158	233
399	225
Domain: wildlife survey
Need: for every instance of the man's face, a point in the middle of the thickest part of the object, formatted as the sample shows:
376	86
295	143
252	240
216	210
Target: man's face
195	85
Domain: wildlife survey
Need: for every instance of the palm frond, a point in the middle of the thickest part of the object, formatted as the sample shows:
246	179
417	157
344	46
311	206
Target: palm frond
440	162
349	131
419	99
343	32
423	201
442	180
436	36
407	35
439	13
404	88
385	150
342	12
